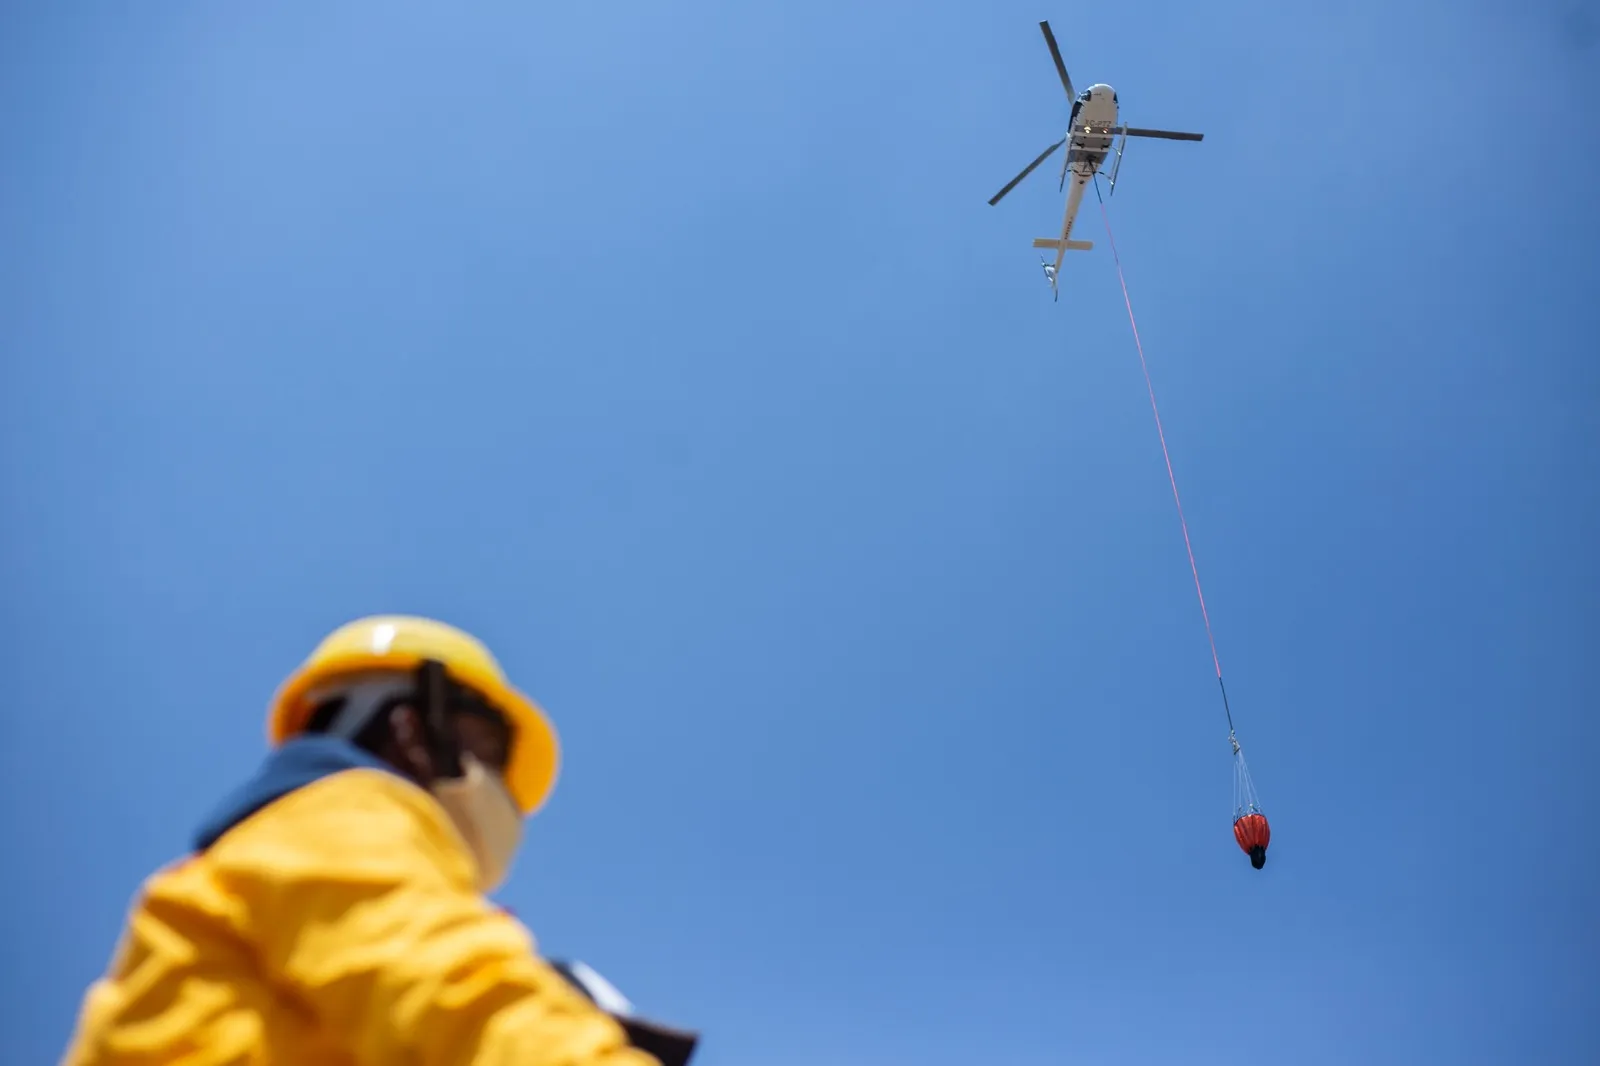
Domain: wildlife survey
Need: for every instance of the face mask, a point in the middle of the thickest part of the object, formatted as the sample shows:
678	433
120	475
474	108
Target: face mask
485	814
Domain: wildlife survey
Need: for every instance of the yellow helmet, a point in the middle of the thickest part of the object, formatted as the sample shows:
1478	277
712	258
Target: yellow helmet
404	642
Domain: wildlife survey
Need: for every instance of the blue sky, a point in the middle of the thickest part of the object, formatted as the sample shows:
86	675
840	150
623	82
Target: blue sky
674	350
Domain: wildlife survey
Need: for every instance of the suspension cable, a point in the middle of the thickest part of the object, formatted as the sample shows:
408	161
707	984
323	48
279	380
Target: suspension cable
1172	478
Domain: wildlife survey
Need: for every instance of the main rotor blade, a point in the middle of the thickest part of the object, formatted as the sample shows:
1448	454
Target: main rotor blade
1055	53
1012	184
1168	134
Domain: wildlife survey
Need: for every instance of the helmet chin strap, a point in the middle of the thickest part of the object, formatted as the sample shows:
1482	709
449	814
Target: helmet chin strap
433	707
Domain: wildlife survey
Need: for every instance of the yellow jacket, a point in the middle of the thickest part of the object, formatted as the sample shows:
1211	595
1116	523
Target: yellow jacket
328	916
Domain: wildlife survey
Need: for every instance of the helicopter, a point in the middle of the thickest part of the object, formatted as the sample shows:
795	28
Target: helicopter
1092	127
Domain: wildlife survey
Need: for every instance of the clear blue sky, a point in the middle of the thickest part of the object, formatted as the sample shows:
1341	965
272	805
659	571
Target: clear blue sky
674	350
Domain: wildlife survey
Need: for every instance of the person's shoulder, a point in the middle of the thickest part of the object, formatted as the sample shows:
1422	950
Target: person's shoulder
319	805
288	769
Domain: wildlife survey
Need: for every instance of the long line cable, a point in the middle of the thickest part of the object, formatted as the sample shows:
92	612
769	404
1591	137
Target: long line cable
1172	478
